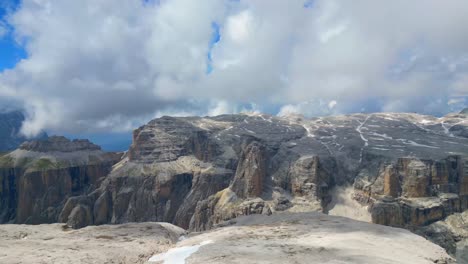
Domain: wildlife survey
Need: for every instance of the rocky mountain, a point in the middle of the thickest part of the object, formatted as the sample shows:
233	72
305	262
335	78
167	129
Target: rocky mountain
409	170
402	170
37	178
10	125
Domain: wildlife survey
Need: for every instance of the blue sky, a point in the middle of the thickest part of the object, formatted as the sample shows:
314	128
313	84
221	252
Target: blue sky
215	38
10	51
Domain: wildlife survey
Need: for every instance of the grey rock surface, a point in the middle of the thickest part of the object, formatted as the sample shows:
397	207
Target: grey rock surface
55	243
309	238
450	233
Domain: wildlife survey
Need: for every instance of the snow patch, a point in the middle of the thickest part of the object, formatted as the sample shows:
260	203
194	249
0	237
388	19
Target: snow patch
178	255
424	121
412	143
366	142
309	133
446	129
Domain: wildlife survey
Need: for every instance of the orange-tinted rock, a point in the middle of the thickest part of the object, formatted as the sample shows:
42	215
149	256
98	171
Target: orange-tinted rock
250	172
391	182
416	179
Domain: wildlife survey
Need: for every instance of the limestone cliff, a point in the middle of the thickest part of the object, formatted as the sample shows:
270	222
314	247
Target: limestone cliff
37	178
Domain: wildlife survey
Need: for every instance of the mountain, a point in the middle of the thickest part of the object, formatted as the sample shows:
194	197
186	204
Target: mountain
10	125
37	178
397	169
408	170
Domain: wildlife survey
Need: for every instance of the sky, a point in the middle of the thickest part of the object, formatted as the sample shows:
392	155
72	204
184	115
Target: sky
96	67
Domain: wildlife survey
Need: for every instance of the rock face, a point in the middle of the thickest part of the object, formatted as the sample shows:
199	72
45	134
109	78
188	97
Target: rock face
410	170
421	191
10	126
37	178
250	172
451	234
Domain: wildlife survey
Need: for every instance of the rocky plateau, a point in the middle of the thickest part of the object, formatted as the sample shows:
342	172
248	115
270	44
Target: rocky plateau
296	238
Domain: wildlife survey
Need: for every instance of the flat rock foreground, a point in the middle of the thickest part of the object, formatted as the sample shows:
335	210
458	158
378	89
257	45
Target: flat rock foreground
278	238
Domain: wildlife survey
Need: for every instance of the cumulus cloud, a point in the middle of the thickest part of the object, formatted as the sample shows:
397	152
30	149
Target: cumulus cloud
98	65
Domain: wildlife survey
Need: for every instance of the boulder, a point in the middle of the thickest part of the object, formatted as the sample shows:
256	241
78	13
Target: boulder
80	216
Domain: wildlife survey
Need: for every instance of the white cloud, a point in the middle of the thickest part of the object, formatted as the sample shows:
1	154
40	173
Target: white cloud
239	27
333	32
310	108
222	107
98	65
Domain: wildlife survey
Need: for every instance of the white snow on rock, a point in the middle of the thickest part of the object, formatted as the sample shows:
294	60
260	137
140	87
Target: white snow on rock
178	255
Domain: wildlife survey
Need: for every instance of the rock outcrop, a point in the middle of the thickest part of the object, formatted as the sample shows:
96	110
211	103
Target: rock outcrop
451	234
418	192
250	172
38	178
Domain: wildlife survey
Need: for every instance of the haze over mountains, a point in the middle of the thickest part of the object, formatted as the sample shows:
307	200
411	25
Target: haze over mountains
10	130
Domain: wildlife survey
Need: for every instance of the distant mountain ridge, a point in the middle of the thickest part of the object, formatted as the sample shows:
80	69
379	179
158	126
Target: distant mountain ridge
10	126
